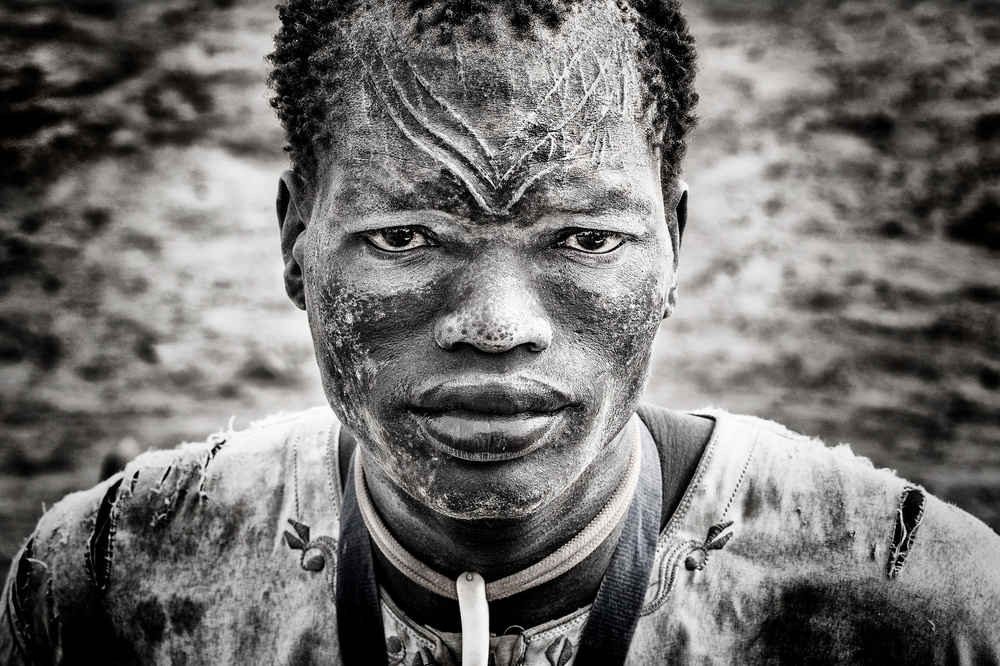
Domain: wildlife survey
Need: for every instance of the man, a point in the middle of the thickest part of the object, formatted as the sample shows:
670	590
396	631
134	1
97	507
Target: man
483	224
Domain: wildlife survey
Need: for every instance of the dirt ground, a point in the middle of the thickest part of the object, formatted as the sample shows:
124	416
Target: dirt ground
840	273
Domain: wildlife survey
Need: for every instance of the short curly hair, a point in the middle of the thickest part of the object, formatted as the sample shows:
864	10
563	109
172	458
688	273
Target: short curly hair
309	52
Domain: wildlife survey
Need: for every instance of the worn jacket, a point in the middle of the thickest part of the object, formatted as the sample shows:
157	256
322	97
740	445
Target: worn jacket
224	553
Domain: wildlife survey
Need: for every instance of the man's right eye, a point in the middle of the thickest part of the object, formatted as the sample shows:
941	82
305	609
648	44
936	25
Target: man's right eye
400	239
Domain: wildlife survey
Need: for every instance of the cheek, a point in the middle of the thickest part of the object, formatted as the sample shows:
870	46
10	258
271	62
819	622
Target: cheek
640	314
338	317
360	329
608	325
611	321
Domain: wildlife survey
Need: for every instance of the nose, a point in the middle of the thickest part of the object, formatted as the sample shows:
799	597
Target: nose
494	313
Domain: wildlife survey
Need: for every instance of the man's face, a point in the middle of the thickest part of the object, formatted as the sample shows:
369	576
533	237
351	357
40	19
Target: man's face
486	262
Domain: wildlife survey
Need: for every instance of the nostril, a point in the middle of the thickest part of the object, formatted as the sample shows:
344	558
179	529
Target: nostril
493	335
537	347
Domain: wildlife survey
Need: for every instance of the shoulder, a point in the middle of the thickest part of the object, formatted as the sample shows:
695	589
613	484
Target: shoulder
829	494
757	468
812	478
232	477
234	469
827	559
851	545
169	513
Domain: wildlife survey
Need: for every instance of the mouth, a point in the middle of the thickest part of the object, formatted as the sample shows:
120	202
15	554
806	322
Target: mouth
490	421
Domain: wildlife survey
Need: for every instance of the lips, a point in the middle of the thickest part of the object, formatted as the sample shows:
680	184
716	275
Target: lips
490	419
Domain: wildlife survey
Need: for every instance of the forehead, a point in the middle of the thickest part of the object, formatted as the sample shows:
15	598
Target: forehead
492	125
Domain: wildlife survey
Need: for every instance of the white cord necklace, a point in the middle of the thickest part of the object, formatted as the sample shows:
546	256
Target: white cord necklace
469	589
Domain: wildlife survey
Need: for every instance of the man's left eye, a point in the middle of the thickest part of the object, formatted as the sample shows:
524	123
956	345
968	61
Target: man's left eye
399	239
593	242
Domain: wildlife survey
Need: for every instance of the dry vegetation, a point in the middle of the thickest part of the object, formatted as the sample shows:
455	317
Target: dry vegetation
840	272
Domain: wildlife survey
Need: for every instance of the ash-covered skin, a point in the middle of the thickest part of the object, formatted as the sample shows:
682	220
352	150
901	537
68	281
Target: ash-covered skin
500	291
460	106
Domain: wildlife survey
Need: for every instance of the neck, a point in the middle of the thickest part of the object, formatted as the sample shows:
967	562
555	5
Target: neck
496	548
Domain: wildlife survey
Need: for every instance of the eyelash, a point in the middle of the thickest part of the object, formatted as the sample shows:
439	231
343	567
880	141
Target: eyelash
608	235
375	235
371	237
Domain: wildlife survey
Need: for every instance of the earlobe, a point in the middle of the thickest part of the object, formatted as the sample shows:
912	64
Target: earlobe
292	224
671	300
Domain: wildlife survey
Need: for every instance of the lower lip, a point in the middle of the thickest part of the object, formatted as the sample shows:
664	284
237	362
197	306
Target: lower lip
479	436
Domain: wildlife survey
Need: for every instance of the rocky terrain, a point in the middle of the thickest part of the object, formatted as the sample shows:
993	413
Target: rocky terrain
840	273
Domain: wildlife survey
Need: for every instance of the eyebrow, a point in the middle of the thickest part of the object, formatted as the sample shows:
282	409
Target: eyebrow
611	200
407	218
615	222
431	193
399	208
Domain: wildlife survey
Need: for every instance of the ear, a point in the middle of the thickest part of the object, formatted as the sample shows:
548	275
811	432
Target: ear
680	195
292	224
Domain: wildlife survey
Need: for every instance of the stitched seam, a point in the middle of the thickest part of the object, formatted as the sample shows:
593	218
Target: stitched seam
332	446
671	564
523	656
295	467
421	634
668	574
555	631
663	541
739	481
688	497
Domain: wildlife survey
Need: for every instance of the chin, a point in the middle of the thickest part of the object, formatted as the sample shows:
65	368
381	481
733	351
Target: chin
464	490
498	504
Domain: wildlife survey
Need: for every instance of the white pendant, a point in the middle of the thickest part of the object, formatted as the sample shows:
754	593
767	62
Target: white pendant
475	614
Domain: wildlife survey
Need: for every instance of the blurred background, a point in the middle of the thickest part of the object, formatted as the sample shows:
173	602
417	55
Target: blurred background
840	273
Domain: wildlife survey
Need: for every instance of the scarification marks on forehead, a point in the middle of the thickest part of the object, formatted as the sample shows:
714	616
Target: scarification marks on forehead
581	101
